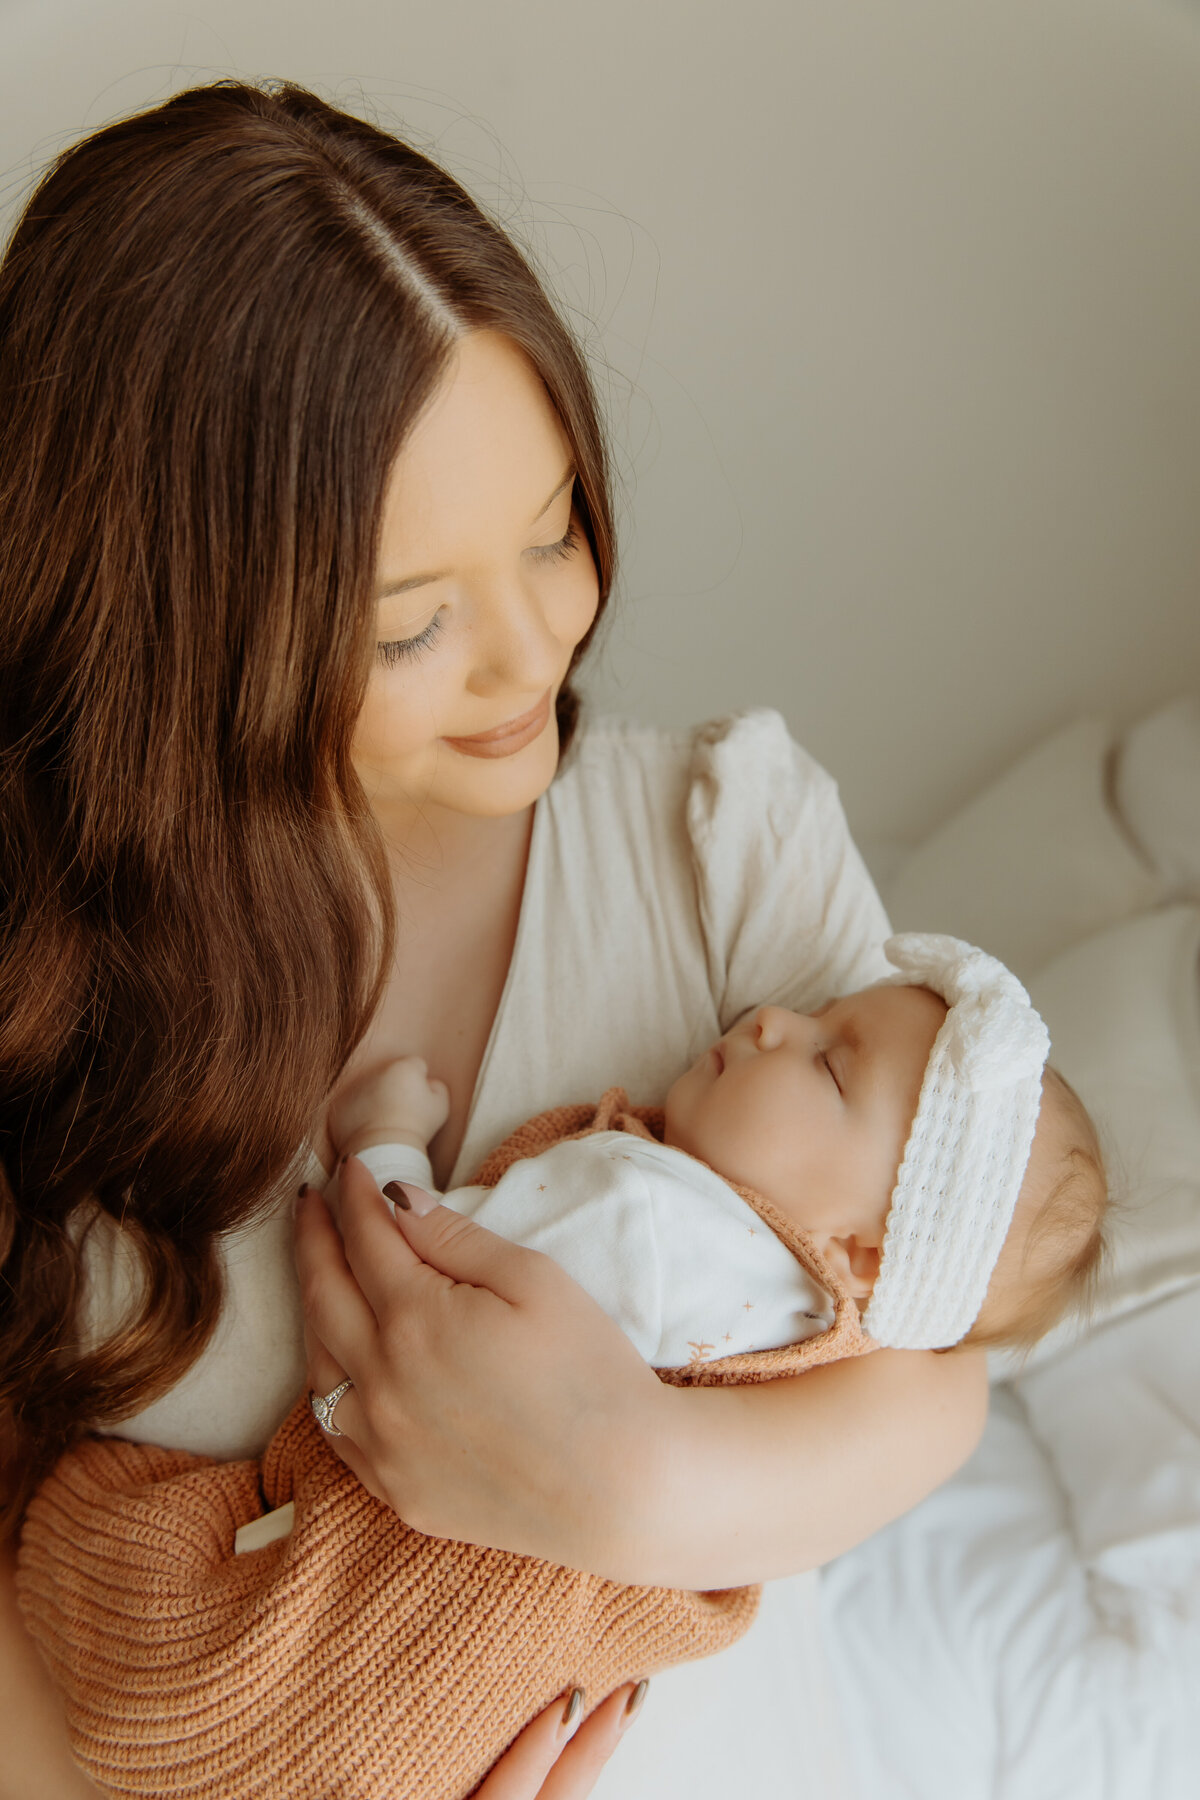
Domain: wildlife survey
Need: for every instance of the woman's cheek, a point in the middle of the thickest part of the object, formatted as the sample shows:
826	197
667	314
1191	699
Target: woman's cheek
397	722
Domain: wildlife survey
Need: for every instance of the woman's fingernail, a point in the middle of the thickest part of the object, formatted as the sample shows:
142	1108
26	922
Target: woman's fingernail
633	1705
572	1710
415	1201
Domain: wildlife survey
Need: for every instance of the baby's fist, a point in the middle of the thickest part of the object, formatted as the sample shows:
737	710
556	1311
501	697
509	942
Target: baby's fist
398	1101
410	1096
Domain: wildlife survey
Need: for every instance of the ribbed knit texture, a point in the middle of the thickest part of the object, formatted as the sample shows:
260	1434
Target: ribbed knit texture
967	1151
355	1659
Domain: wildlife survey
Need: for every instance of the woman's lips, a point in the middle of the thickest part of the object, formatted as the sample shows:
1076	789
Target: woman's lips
506	739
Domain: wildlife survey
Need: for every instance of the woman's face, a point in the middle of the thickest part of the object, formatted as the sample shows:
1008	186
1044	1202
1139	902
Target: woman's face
485	585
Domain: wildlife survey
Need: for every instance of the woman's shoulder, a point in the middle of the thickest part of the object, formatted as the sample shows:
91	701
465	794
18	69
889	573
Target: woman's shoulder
745	829
602	733
786	908
711	792
744	754
608	741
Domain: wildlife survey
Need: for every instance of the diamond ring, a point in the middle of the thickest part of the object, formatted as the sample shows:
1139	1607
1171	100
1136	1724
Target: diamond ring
323	1405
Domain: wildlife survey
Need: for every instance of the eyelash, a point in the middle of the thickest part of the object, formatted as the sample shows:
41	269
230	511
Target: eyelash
559	552
829	1066
405	649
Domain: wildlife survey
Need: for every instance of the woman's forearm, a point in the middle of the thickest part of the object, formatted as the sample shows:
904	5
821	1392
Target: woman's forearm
496	1403
37	1759
749	1483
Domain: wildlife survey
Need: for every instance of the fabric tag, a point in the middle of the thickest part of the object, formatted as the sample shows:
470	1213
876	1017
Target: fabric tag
266	1530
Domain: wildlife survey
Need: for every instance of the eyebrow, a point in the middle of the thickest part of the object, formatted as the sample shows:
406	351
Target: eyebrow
416	581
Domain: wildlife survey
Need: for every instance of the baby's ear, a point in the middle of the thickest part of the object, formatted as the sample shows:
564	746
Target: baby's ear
857	1264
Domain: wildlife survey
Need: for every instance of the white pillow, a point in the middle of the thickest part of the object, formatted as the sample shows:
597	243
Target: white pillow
1123	1012
1035	862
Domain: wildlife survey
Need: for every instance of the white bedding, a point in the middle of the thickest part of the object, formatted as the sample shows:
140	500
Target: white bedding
983	1649
1032	1631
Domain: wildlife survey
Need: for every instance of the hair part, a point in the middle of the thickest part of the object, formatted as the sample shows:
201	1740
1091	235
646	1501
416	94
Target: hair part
218	321
1054	1268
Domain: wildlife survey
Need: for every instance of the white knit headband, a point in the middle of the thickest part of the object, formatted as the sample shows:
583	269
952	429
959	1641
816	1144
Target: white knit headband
968	1148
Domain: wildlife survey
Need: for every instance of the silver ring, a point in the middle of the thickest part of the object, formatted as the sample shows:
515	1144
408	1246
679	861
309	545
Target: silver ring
323	1405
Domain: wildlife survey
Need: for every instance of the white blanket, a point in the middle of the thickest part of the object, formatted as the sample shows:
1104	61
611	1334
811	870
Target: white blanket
1032	1631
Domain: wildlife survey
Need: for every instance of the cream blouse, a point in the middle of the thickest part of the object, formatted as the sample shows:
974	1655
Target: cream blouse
675	880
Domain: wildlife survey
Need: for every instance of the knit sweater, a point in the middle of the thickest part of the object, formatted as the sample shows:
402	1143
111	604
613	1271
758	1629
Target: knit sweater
356	1658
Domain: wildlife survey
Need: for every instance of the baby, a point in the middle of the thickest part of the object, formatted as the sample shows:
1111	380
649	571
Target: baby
946	1178
903	1151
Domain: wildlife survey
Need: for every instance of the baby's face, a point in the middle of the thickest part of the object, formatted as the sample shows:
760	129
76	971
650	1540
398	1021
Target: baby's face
813	1110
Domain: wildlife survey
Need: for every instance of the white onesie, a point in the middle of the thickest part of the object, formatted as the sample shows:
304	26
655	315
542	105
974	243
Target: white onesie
676	1258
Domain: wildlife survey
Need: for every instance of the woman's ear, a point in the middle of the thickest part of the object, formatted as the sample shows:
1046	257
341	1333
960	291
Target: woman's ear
857	1263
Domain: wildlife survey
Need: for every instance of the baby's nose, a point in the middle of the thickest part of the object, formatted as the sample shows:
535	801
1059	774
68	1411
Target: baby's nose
770	1027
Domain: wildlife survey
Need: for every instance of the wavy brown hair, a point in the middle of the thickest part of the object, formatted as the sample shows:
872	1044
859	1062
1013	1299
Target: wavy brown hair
218	320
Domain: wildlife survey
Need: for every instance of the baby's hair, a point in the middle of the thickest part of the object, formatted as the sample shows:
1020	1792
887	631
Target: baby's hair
1056	1263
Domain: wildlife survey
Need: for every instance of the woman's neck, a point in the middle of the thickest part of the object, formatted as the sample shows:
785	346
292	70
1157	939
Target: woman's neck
439	852
458	884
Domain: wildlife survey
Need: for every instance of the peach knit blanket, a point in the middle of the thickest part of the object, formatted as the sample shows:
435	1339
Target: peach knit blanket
355	1659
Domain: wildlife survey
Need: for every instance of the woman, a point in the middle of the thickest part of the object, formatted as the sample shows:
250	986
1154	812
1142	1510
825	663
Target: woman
305	529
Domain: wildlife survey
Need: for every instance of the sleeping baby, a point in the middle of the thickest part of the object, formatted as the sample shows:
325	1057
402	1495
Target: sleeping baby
903	1153
910	1133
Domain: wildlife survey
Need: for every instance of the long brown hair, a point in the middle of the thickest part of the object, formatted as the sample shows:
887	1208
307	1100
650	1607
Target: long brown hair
218	320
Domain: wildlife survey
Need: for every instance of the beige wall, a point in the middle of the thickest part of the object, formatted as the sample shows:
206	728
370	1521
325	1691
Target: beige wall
900	305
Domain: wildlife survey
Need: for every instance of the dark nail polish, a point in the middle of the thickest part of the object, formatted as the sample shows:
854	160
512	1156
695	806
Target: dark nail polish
573	1708
397	1196
633	1705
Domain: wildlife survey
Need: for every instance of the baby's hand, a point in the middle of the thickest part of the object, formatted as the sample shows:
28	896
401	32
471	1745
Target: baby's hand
396	1103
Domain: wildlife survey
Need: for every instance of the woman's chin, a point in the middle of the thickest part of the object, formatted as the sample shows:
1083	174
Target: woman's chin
495	787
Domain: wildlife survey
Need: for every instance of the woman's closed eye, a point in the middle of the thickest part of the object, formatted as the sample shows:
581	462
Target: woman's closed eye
560	549
399	650
404	649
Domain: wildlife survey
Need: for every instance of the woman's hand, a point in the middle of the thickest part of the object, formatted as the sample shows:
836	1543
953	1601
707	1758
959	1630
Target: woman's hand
493	1401
37	1757
559	1754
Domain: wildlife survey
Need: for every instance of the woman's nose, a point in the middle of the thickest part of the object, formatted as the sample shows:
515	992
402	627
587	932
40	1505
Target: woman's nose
515	646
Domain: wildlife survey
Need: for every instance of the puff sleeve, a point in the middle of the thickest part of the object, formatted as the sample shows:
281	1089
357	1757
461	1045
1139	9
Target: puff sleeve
789	913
